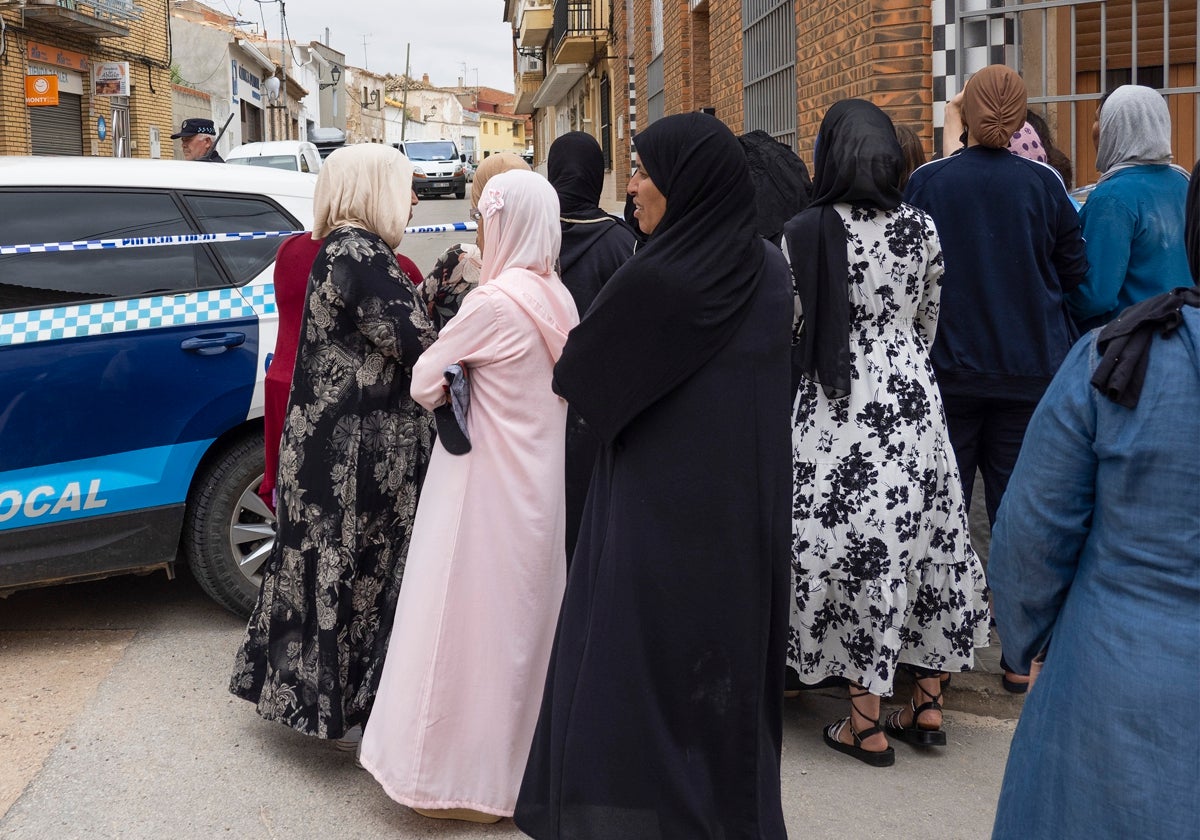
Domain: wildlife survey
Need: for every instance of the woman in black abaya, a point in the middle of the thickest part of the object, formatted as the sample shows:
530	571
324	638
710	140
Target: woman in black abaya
594	245
662	711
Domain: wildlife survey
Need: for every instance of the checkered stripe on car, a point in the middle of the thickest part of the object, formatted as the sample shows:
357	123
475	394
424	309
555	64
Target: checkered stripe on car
113	316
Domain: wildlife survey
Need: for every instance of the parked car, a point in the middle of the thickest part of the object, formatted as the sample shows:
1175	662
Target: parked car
327	140
438	167
294	155
131	377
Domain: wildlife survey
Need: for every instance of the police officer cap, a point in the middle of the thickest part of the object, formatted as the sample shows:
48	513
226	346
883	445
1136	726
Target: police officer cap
195	126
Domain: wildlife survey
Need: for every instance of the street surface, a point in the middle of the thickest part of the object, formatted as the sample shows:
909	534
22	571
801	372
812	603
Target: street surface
116	722
425	248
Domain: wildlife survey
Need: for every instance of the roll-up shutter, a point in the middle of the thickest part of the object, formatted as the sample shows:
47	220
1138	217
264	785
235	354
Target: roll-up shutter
58	129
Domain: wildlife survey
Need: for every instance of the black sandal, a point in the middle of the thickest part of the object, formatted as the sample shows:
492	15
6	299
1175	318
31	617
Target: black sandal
916	734
875	758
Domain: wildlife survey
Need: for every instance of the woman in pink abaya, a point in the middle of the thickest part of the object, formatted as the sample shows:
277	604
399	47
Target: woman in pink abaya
475	621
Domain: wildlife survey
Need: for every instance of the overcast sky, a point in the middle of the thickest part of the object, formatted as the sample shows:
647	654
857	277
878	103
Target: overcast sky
445	34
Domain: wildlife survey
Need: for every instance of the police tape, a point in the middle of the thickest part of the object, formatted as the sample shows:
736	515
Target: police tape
191	239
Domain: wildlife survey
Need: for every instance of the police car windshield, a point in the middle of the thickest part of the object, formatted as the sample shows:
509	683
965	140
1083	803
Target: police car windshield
430	151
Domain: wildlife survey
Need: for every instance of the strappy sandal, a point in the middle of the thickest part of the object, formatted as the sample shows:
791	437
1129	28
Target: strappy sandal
875	758
916	734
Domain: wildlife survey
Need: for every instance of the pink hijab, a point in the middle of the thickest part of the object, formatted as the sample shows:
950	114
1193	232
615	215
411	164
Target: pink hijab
1025	143
521	239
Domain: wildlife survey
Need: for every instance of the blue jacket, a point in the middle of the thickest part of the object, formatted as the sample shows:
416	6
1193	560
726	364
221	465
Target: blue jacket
1012	246
1133	224
1096	550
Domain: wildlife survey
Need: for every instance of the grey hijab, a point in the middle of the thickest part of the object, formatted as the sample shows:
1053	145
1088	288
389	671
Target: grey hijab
1135	129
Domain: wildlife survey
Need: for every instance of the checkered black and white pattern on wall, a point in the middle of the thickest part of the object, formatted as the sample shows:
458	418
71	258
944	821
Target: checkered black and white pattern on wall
965	40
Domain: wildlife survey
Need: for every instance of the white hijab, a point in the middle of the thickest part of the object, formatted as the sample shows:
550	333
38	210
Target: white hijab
1135	129
368	186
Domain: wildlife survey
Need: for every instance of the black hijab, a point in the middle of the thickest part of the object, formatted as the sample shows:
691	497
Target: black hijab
857	161
1191	227
675	303
575	168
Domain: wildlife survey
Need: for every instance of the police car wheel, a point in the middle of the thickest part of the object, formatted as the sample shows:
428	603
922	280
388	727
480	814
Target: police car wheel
230	531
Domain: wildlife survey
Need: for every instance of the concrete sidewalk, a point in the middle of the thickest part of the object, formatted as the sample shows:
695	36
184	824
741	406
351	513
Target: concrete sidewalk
137	737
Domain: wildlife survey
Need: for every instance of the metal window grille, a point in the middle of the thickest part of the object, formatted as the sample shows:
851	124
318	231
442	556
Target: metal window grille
769	67
655	96
1072	52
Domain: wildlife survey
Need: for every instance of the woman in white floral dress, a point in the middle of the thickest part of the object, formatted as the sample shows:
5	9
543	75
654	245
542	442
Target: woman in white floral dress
884	570
353	455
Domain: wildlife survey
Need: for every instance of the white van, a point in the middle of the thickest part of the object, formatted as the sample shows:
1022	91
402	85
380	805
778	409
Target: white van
438	167
293	155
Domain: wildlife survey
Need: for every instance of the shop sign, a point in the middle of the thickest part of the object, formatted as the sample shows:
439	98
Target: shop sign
41	90
68	82
46	54
111	78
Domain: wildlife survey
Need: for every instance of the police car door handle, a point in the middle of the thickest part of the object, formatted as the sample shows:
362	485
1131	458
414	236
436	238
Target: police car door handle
212	343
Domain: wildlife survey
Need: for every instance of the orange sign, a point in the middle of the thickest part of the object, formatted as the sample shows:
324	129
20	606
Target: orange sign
46	54
41	90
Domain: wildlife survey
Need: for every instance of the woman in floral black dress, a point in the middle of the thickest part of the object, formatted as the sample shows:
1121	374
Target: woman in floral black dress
353	455
884	570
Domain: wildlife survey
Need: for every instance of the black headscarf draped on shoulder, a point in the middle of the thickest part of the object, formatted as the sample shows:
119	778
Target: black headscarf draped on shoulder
857	161
675	303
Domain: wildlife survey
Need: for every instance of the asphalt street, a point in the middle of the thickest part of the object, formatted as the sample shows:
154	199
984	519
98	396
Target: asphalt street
116	722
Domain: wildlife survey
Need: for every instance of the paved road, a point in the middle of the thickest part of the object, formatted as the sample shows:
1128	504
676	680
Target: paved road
115	722
425	248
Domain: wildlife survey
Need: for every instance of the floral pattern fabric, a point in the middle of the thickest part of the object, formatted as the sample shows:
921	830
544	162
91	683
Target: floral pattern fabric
884	572
353	455
453	276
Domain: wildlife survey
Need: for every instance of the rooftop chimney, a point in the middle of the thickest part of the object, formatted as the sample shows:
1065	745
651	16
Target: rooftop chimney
425	78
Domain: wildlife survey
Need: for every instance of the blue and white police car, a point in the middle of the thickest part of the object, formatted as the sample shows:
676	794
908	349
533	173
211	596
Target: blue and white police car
137	316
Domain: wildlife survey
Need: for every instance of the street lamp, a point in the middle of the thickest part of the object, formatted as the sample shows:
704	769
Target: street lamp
273	87
335	75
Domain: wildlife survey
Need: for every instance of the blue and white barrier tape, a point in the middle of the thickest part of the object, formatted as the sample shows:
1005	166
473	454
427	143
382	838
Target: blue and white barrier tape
191	239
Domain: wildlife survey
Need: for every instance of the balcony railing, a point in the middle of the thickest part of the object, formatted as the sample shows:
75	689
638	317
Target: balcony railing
92	19
580	29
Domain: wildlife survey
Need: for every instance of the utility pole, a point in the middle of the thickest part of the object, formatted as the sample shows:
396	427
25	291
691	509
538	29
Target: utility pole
285	47
404	99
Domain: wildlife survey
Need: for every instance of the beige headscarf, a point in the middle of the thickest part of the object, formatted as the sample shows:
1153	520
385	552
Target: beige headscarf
993	105
493	165
368	186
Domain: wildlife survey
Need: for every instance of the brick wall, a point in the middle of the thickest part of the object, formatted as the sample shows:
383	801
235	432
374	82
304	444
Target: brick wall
145	48
725	62
872	49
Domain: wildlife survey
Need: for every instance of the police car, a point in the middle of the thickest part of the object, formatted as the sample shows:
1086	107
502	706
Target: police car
137	318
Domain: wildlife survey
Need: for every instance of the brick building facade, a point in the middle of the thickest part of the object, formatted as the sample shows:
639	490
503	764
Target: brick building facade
48	40
779	64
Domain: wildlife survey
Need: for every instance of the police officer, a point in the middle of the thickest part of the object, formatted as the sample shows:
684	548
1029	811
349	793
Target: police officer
199	140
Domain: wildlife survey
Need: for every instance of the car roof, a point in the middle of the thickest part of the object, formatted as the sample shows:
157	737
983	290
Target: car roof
270	147
67	171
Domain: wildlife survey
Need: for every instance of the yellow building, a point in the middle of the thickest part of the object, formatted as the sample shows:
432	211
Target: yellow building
501	133
86	78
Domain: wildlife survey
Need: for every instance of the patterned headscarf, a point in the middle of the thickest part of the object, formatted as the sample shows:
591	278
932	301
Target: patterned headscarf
1025	143
368	186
